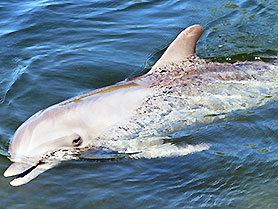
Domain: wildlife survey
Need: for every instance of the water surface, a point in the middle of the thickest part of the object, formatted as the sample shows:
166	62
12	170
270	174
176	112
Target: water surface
53	50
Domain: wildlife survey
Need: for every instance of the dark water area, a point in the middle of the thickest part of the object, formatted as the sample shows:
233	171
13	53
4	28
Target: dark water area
54	50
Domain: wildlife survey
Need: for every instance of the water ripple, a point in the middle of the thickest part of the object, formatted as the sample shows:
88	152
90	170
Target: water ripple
52	50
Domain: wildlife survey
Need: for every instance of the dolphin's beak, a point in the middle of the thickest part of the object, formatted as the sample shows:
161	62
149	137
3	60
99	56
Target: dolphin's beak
26	172
16	169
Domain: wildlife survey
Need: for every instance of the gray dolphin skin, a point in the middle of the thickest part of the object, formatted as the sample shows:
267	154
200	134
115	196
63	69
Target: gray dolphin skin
134	116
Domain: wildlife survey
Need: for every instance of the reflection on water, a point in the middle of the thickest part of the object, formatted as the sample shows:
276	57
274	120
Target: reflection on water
51	51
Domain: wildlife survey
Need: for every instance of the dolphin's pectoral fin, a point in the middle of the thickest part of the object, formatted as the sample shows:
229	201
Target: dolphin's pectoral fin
169	150
182	47
25	173
152	147
102	158
105	155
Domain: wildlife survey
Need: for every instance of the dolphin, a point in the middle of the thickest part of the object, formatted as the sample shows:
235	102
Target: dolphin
133	116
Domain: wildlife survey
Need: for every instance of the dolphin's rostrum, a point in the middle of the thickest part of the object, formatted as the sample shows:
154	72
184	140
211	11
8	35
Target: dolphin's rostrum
130	116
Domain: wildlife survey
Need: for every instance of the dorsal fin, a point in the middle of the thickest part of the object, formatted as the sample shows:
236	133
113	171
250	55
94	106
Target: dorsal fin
182	47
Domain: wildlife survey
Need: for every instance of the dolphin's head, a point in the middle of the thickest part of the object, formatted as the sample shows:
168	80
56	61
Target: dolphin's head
48	137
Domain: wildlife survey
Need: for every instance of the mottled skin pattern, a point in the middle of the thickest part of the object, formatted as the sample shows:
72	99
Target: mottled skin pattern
195	91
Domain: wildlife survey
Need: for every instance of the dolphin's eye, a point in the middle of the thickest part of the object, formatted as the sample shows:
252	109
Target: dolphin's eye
77	141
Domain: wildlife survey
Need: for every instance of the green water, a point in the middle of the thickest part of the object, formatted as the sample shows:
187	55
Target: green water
53	50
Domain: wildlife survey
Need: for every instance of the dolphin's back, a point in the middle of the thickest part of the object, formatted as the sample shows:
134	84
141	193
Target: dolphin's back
243	82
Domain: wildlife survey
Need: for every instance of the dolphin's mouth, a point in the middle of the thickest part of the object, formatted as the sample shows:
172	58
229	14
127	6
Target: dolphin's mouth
26	169
21	175
26	172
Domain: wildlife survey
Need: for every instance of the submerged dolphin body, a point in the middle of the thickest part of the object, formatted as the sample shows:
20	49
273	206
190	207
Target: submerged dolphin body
179	91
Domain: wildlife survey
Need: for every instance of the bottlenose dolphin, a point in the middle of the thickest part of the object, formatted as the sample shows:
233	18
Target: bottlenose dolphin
131	116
